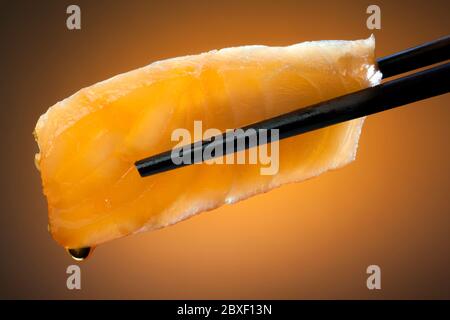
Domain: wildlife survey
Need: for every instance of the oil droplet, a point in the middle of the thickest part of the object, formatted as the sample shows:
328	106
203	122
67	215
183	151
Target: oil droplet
80	254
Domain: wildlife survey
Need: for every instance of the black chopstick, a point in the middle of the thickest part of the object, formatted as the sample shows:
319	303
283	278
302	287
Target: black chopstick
395	93
415	58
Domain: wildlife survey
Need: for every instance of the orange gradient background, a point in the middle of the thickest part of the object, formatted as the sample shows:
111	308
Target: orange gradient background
310	240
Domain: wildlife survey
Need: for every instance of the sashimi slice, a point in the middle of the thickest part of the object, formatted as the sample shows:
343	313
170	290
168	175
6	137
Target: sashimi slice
89	142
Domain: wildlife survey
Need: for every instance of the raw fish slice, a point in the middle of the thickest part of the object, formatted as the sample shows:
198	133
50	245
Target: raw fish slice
89	142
